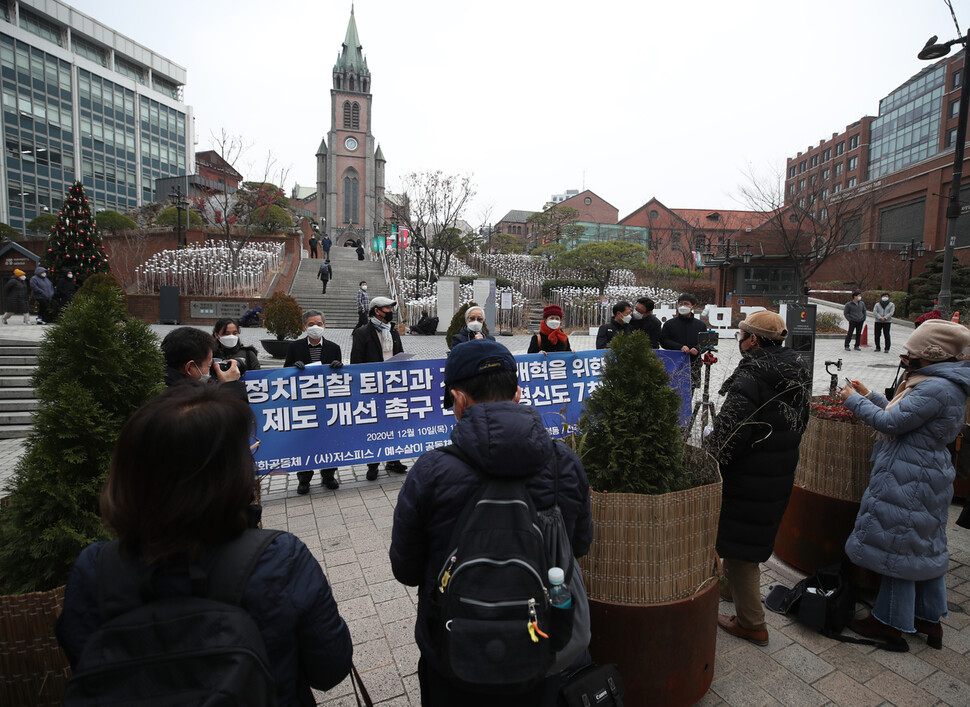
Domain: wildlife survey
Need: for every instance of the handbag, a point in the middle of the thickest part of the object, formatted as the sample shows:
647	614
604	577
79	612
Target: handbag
599	685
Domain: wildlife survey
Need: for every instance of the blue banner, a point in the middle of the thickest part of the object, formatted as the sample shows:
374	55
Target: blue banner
322	417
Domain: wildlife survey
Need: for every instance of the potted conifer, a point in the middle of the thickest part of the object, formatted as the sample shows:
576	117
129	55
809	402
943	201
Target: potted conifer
656	502
283	318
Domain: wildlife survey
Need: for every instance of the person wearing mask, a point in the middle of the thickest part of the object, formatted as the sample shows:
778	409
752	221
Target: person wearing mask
474	329
188	357
680	334
327	245
15	300
646	321
883	310
755	440
900	530
313	348
619	324
374	342
43	290
230	346
313	245
855	313
551	337
324	274
65	288
363	304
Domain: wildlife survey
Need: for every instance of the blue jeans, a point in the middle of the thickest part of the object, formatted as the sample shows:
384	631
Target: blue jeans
901	600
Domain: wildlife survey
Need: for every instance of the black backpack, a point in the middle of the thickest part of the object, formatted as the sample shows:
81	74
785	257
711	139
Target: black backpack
201	649
494	619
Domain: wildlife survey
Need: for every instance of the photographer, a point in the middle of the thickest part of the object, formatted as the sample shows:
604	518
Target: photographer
188	356
230	346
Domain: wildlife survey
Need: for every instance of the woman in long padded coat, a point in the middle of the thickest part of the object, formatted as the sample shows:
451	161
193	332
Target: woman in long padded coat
900	531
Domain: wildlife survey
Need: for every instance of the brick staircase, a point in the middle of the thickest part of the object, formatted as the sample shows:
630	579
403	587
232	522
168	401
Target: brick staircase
17	401
339	305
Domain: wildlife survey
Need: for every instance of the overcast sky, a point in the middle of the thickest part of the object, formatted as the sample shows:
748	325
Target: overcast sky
532	97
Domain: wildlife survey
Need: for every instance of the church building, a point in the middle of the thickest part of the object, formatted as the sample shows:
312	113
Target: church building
350	164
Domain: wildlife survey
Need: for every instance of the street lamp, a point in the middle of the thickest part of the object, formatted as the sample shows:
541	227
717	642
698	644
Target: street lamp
708	259
932	51
181	204
911	253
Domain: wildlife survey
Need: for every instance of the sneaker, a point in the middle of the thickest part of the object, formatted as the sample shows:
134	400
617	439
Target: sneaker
372	472
396	467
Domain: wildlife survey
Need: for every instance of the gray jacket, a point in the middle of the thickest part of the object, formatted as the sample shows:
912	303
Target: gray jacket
901	527
886	311
855	311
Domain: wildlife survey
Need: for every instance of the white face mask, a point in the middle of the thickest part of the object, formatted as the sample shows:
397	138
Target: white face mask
627	318
885	299
229	341
684	311
70	276
22	277
43	274
637	315
475	326
315	331
552	323
364	288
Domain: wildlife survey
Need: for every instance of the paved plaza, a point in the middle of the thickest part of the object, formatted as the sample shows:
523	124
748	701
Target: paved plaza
349	532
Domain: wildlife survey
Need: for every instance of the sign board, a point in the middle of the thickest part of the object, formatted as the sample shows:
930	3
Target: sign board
800	320
448	291
217	310
483	292
506	300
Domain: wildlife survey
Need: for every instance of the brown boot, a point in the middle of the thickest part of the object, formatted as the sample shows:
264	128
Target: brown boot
871	627
934	633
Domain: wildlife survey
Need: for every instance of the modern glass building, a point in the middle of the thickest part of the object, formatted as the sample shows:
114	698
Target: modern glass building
81	101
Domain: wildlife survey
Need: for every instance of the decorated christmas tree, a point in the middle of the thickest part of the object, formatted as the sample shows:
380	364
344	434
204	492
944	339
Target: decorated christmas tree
74	243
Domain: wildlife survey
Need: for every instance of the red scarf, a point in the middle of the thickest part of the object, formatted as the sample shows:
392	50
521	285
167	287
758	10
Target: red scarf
555	336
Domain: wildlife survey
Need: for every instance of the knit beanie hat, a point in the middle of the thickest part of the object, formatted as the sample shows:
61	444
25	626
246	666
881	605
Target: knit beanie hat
766	324
938	340
18	273
551	311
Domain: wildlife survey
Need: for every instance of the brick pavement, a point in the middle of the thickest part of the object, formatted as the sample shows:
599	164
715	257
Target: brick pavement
349	532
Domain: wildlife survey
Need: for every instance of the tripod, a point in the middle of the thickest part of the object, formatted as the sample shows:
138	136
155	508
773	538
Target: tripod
705	405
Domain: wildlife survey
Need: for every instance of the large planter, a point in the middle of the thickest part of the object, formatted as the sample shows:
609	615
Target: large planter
832	474
650	573
275	347
33	668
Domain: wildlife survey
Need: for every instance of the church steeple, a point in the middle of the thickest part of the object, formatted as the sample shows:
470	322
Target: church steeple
350	73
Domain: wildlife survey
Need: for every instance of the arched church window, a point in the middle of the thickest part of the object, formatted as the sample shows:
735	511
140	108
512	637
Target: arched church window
347	114
355	115
351	198
352	83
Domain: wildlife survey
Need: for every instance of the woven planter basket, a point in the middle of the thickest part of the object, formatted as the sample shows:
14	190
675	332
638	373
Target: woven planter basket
834	458
33	668
651	549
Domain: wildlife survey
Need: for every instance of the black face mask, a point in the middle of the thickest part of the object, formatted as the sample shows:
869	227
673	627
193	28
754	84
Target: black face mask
910	363
741	341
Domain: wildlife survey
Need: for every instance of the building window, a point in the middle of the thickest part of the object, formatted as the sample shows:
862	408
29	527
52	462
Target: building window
653	214
801	184
852	163
951	137
955	108
801	202
850	182
802	166
826	154
355	116
839	149
813	162
955	82
791	171
130	70
837	187
853	142
813	180
347	114
838	169
43	28
791	190
823	214
826	173
89	50
824	194
767	280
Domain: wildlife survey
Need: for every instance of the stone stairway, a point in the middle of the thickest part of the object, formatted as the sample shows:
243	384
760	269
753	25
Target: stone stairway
17	401
339	305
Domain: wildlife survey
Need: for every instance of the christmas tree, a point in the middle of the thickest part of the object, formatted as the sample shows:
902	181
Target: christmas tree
74	243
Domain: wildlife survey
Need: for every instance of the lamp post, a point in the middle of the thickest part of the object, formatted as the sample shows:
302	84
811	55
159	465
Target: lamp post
181	204
910	253
932	51
708	259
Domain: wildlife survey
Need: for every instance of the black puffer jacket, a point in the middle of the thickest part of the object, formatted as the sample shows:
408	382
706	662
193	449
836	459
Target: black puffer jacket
465	334
508	440
755	439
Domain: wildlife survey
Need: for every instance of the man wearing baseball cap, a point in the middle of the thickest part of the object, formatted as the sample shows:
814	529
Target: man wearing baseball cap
755	440
375	341
505	440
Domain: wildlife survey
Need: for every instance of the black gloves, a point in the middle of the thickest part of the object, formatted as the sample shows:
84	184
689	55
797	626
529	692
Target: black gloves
336	364
299	364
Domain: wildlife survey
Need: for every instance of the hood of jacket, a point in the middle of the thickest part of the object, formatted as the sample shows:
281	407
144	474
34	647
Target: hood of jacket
957	372
506	438
39	270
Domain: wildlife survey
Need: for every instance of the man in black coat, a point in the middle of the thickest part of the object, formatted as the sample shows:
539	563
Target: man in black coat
646	321
509	441
680	334
314	349
619	324
374	341
755	439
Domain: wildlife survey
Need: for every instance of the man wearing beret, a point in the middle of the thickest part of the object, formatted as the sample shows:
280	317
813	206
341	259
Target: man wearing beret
506	440
755	439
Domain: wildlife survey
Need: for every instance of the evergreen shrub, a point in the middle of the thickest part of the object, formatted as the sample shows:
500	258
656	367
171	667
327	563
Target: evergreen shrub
457	322
282	316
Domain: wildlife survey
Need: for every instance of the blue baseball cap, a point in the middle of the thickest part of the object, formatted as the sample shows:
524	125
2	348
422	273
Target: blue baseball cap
472	358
